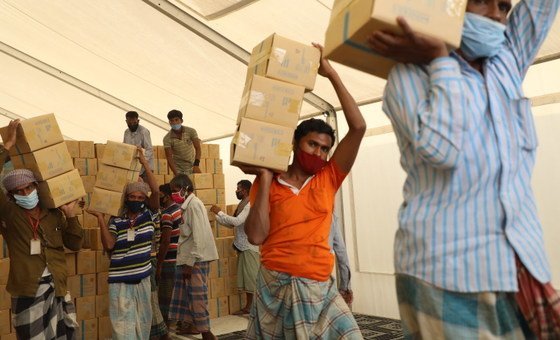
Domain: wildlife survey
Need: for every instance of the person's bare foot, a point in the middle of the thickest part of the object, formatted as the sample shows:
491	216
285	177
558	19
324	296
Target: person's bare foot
242	311
208	336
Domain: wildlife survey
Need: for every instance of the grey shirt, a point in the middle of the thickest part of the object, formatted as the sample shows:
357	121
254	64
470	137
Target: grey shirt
339	248
141	137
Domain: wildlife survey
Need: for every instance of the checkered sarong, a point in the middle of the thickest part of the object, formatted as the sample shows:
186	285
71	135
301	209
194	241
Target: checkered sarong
189	302
539	303
289	307
159	328
165	287
44	316
429	312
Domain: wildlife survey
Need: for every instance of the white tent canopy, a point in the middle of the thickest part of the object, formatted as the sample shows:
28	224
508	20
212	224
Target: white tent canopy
90	61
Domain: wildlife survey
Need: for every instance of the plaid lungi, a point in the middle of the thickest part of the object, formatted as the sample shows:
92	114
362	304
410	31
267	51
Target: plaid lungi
248	263
130	310
159	327
165	287
289	307
428	312
539	304
189	303
44	316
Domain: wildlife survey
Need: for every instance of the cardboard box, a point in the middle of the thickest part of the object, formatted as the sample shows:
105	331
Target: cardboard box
87	149
85	308
46	163
160	152
223	306
5	322
202	165
4	271
220	196
203	150
90	221
88	284
70	264
95	239
161	167
168	178
73	148
89	183
87	329
231	285
34	134
232	266
104	328
1	246
11	336
262	144
61	189
160	179
286	60
102	261
213	308
99	148
102	283
212	166
213	272
86	166
207	196
202	181
115	179
121	155
227	243
230	209
102	305
85	262
353	21
219	181
73	286
217	287
271	101
223	231
107	202
213	151
5	298
223	267
234	303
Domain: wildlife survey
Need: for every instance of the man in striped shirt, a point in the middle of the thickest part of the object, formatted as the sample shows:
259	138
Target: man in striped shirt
467	141
129	241
171	218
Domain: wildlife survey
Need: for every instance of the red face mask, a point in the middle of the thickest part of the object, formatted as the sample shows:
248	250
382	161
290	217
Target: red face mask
310	163
177	197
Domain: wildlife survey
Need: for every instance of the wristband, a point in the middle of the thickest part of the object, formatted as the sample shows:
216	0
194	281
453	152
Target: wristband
196	162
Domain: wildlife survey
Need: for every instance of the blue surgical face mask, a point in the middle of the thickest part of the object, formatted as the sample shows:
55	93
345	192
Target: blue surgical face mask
27	202
176	127
482	37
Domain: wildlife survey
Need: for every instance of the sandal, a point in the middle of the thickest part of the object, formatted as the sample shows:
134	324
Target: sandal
242	311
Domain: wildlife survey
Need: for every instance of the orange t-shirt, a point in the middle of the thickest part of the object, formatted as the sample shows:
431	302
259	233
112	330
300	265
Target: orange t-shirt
298	239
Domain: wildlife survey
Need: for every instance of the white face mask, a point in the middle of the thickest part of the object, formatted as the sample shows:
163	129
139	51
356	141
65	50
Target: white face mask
27	202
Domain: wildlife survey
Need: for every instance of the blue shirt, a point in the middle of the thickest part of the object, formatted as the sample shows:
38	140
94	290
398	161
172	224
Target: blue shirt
468	143
130	260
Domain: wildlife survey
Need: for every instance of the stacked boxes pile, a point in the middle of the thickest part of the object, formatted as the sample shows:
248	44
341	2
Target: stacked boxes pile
279	72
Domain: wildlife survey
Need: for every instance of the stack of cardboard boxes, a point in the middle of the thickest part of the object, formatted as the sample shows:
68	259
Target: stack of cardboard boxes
40	147
7	331
279	72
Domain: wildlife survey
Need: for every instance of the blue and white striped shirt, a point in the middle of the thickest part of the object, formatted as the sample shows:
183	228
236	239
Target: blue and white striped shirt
468	144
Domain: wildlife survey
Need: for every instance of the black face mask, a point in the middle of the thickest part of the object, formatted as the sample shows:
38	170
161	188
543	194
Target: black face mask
239	195
134	206
133	127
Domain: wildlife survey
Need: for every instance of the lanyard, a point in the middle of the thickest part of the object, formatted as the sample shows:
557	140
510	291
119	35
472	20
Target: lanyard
34	224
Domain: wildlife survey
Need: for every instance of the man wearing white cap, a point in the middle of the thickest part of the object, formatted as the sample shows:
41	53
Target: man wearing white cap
36	238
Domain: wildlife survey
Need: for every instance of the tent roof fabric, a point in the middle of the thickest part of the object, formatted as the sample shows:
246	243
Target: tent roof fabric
132	56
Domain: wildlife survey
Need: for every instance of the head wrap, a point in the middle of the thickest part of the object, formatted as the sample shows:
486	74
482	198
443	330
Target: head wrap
17	178
137	186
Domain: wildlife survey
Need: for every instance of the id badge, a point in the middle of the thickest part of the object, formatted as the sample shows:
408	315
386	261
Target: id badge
35	247
130	235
